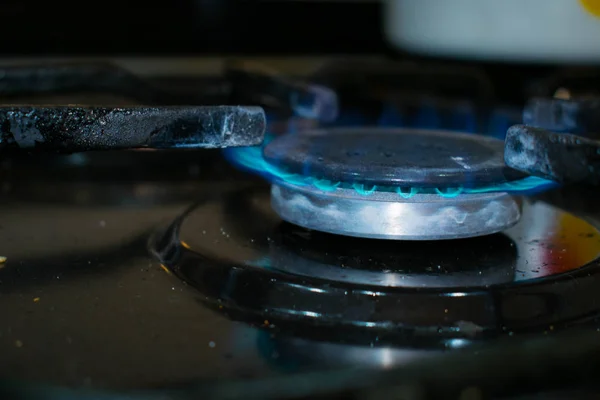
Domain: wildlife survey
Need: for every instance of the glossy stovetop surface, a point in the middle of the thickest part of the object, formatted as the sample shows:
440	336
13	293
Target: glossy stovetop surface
85	304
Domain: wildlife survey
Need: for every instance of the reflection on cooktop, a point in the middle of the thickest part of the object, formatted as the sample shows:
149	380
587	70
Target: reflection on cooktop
481	261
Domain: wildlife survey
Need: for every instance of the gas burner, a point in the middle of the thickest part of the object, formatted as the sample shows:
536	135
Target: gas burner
387	215
540	274
393	183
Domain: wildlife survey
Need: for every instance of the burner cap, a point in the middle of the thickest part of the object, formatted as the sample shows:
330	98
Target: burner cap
393	157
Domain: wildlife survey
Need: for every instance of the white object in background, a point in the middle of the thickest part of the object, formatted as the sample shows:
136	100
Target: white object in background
548	31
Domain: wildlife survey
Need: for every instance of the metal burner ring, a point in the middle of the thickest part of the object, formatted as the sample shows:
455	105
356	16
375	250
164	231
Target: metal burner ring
387	215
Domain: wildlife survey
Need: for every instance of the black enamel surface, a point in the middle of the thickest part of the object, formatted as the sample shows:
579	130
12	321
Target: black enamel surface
85	305
265	269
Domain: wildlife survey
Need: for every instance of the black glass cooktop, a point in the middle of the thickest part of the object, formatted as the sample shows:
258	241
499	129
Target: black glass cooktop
176	278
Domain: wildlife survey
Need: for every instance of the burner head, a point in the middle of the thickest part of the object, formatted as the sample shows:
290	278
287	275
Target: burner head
393	157
387	215
393	183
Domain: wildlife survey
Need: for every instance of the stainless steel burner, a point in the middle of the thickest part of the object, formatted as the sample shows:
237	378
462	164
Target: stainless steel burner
387	215
413	180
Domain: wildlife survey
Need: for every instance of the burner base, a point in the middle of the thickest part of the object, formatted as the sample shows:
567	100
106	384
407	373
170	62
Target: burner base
387	215
540	275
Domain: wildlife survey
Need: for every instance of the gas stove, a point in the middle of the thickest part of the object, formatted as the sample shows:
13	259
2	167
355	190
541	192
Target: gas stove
374	245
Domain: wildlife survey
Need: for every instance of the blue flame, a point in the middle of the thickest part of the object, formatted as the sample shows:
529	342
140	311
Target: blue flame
428	116
251	159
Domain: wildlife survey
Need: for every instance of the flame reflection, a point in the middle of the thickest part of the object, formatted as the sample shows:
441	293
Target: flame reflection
553	242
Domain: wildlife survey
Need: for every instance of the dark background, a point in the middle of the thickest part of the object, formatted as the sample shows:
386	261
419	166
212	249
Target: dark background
187	27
